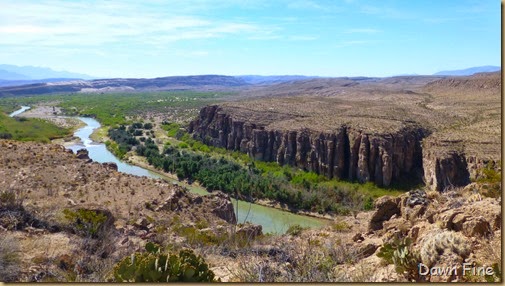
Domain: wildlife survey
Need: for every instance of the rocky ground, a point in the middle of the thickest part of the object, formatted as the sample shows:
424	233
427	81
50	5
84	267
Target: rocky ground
40	184
40	181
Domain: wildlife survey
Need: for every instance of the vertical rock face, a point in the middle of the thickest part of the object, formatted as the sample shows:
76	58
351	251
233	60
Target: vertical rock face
445	170
346	153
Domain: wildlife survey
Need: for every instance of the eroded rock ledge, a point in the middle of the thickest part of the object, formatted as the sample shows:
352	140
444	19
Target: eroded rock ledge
346	153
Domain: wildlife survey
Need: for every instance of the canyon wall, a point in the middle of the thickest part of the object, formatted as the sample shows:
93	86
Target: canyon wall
345	153
449	167
445	170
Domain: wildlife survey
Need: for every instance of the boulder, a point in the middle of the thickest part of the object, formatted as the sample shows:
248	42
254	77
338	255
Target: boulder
222	207
82	154
250	230
358	237
141	223
173	200
385	208
365	250
479	218
110	166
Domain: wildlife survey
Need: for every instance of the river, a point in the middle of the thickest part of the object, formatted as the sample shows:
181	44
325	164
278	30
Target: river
19	111
272	220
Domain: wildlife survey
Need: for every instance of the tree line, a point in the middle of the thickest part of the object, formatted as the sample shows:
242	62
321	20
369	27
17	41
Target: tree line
244	182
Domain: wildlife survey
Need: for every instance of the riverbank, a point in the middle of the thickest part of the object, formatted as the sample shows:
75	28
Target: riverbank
99	135
141	162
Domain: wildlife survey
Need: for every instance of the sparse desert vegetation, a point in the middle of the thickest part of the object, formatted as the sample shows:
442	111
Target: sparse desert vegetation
97	219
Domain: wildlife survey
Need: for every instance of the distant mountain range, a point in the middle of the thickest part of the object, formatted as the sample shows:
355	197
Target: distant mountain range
16	80
15	73
469	71
198	82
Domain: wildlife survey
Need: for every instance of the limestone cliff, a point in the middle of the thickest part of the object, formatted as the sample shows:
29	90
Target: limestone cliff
345	153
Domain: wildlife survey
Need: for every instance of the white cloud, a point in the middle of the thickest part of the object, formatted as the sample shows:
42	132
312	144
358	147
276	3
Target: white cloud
53	23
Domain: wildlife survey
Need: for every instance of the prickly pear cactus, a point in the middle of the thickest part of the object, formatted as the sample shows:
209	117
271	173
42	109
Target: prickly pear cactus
154	266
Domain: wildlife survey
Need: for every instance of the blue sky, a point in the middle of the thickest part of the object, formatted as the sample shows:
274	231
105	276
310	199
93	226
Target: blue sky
154	38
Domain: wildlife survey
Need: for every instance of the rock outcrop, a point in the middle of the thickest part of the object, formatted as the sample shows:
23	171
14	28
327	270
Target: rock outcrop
444	167
82	154
346	153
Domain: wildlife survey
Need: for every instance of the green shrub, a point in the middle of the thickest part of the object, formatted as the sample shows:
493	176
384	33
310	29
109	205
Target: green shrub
497	274
86	222
8	199
295	229
340	226
490	179
154	266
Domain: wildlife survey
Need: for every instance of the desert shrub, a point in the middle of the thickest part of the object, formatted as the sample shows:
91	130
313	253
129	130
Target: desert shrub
340	226
86	222
9	259
154	266
490	178
295	229
8	199
5	135
497	274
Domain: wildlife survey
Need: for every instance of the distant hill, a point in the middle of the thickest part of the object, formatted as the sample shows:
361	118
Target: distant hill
11	76
470	71
199	82
8	82
270	79
12	72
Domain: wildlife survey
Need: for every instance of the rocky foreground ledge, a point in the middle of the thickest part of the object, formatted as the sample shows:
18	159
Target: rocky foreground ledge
41	184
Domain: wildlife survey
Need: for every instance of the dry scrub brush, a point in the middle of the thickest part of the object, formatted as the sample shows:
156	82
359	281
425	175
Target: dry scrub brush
303	259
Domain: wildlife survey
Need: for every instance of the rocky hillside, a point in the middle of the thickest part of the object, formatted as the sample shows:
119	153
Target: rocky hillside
374	130
44	187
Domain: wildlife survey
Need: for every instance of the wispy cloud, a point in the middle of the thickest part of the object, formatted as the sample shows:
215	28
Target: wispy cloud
50	23
385	12
362	31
